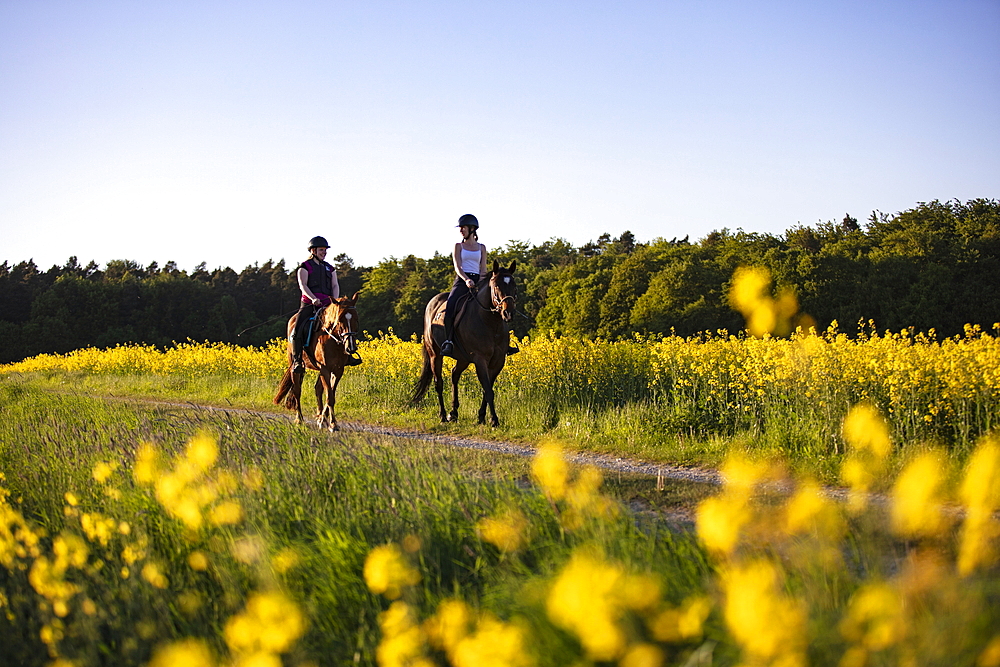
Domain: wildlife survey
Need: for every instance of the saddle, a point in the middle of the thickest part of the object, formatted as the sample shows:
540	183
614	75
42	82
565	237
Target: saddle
460	307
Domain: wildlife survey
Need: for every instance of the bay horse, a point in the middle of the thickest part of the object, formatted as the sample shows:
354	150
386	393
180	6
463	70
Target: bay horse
332	345
481	338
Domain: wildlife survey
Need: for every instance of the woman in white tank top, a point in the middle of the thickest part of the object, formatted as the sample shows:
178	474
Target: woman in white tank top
469	259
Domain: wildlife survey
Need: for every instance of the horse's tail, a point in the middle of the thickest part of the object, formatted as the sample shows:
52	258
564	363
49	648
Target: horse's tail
285	390
426	377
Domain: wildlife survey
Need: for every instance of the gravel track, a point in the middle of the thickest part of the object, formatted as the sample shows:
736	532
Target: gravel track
610	463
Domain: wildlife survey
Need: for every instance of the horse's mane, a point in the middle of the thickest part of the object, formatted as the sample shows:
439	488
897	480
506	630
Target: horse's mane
331	313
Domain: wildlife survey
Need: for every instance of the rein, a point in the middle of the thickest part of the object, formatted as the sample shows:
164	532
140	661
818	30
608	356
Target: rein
497	303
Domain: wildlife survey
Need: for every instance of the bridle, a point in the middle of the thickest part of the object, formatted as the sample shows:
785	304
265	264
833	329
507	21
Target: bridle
342	332
497	297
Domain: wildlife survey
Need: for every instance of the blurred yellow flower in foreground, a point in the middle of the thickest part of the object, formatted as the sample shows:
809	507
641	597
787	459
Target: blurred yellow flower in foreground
874	618
865	430
916	499
151	572
980	493
387	572
750	294
102	471
767	624
403	641
506	531
550	470
270	623
682	624
867	437
184	653
589	598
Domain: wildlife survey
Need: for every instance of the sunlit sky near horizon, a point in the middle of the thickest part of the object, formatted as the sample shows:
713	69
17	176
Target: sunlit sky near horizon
231	132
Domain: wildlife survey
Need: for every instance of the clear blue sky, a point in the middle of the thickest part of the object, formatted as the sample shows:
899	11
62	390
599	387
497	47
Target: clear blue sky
232	132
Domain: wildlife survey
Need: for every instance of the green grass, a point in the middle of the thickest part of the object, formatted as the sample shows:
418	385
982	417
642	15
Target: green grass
331	497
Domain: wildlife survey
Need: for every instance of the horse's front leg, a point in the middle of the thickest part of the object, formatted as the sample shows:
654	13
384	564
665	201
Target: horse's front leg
319	395
456	375
486	380
322	412
437	368
297	394
331	400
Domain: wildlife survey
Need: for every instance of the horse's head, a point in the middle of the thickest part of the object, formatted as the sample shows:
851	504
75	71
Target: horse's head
503	290
340	322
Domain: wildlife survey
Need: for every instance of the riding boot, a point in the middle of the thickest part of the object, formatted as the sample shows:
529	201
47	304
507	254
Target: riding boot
297	345
448	347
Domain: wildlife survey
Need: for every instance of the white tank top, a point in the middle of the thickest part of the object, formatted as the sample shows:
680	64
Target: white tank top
470	260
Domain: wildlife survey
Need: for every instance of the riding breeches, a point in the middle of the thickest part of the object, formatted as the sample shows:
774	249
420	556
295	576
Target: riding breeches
458	290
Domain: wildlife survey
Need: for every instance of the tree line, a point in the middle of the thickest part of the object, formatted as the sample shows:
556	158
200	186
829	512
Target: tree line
934	266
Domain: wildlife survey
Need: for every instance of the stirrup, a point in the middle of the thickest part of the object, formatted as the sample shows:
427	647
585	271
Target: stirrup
353	360
297	366
448	349
512	350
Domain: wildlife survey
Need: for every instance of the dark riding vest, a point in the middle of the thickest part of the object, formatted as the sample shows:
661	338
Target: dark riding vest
320	280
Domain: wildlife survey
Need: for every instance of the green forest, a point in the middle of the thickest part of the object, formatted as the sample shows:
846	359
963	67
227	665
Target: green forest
935	266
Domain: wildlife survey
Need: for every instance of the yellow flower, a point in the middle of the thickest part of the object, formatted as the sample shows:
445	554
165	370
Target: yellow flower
682	624
505	532
550	470
874	617
183	653
449	625
151	573
589	598
403	640
226	513
285	560
102	471
387	572
916	506
990	657
202	450
766	623
642	655
197	560
865	430
810	512
147	464
493	644
719	520
980	493
270	623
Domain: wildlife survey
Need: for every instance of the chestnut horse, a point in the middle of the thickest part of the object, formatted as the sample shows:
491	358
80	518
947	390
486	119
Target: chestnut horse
332	343
481	338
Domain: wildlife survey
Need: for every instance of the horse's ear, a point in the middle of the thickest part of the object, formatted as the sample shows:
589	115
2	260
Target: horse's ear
496	266
354	299
513	265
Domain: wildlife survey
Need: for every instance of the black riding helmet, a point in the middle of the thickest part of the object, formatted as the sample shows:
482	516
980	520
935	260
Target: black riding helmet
318	242
468	220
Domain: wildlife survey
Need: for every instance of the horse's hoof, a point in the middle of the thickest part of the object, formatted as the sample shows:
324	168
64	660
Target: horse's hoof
334	428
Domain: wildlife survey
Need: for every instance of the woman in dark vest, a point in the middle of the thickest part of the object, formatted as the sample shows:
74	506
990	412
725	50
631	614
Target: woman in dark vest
318	282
